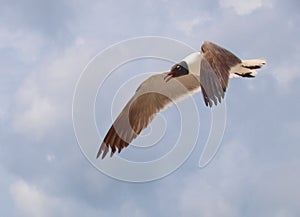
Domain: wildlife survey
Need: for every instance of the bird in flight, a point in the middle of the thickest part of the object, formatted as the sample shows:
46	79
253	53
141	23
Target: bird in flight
207	71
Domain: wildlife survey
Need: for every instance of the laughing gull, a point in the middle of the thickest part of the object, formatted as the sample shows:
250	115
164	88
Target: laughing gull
207	71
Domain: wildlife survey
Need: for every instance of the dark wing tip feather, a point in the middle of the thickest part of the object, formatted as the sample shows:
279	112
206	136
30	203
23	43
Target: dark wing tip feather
254	66
116	141
102	150
245	75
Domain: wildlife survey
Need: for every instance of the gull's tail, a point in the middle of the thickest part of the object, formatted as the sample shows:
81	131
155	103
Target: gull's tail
247	68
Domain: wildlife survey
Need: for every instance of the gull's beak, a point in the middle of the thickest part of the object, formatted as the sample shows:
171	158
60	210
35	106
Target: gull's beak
168	77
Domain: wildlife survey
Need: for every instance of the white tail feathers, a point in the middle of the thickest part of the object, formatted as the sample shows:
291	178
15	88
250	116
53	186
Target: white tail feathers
253	64
247	68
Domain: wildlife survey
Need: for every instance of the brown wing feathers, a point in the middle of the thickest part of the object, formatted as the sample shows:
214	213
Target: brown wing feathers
214	71
135	117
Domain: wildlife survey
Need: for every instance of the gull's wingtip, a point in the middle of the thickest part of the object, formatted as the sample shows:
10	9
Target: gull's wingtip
102	150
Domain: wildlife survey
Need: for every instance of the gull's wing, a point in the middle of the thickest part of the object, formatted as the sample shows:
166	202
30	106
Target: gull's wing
153	95
216	63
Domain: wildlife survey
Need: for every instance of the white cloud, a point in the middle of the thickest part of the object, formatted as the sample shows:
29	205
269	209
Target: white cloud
187	26
50	157
40	112
203	199
237	177
205	193
244	7
286	75
130	209
31	201
26	44
44	99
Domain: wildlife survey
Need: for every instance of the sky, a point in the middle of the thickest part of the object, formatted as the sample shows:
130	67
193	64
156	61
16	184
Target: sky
45	45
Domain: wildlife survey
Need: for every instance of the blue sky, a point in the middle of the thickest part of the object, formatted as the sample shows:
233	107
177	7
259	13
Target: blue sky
46	44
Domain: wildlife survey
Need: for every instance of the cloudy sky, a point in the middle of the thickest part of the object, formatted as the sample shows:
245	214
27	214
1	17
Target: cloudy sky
45	45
